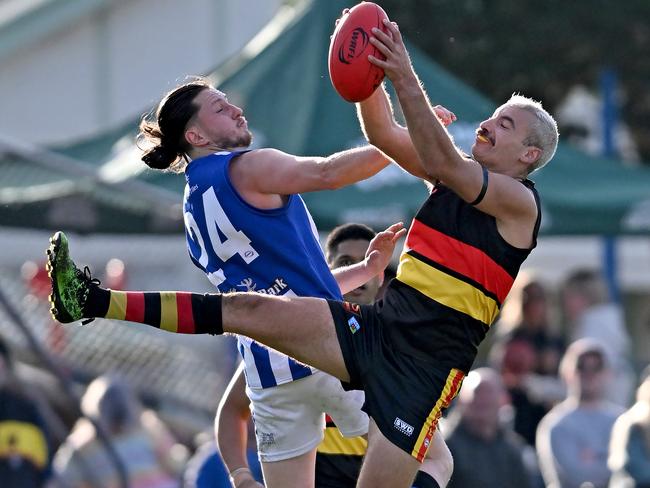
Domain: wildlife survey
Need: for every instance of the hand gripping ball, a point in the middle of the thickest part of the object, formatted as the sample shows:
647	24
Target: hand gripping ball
353	76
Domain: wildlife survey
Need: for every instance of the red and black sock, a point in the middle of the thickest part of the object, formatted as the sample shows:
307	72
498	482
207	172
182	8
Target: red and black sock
173	311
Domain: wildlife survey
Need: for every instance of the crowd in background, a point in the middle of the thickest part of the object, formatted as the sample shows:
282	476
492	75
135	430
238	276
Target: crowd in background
555	400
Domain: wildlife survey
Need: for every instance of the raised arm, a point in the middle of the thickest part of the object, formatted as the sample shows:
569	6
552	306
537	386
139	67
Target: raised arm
381	130
506	198
440	158
380	251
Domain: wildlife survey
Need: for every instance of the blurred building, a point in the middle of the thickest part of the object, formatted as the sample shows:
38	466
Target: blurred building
74	68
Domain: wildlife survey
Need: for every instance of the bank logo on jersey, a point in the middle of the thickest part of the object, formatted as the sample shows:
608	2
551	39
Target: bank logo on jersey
248	283
231	244
278	287
403	427
354	325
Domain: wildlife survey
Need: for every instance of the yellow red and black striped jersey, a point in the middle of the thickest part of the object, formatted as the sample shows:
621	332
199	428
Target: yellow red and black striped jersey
454	273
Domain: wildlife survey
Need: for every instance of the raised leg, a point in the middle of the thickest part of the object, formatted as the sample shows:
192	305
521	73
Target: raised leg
302	328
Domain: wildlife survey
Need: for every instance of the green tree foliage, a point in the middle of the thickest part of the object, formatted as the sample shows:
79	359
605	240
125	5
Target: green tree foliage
538	47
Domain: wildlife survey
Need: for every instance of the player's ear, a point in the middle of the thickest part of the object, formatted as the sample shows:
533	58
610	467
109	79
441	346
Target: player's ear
531	154
194	136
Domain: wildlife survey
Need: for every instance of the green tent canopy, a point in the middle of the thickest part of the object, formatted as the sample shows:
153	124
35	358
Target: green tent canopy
45	190
290	104
281	80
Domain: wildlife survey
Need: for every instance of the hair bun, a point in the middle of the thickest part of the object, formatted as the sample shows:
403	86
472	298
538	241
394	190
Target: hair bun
160	157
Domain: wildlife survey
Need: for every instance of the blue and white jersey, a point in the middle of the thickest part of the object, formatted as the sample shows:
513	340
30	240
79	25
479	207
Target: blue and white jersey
243	248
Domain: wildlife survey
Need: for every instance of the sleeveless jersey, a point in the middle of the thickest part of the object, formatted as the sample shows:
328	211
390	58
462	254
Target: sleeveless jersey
454	273
243	248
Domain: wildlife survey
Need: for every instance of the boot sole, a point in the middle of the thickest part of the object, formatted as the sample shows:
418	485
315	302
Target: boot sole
57	310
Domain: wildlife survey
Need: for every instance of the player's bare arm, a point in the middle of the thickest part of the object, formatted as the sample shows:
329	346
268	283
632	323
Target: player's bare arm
276	173
231	426
510	202
381	130
380	251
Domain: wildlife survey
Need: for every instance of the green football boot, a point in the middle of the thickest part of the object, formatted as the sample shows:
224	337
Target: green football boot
70	285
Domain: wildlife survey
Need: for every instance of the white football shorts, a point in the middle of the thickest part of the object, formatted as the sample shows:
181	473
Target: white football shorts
289	418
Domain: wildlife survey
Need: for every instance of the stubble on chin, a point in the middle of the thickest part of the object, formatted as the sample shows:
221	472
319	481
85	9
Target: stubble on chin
243	140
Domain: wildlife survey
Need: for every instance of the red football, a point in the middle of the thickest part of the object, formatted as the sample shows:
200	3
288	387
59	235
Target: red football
353	76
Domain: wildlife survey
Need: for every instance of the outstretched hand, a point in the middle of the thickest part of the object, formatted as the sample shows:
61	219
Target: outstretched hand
445	116
380	249
344	12
397	64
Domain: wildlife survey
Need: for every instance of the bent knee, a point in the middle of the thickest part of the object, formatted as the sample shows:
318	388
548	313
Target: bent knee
448	469
439	463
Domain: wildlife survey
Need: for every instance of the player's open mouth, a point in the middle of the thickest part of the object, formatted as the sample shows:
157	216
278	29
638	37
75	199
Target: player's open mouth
482	137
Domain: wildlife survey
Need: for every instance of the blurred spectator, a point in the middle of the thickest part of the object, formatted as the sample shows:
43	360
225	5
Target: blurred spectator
116	276
36	279
206	468
591	314
580	118
142	442
572	439
528	356
486	453
629	449
25	448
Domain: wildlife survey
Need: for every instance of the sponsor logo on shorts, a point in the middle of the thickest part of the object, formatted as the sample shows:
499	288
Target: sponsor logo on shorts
353	324
353	308
265	439
403	427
